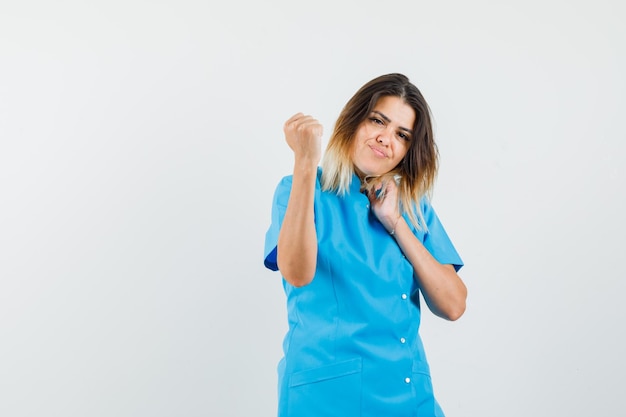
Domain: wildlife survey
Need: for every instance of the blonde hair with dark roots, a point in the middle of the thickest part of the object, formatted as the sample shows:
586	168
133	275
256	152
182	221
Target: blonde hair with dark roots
418	168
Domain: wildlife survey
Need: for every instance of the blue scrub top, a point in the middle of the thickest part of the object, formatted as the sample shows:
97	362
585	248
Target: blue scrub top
353	348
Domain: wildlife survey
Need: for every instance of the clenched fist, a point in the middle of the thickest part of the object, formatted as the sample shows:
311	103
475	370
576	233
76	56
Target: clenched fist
304	136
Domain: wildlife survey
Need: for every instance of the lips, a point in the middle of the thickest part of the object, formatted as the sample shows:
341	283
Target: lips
378	152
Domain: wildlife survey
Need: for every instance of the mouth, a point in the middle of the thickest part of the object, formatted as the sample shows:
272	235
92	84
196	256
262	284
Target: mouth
378	152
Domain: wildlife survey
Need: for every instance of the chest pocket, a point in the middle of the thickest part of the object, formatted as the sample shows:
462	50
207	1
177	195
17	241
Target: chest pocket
331	390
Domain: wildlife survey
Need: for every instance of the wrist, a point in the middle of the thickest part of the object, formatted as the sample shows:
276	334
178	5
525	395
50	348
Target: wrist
394	225
305	167
306	164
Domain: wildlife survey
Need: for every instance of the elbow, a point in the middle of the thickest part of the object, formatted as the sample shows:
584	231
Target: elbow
297	275
298	280
456	309
453	310
297	270
455	313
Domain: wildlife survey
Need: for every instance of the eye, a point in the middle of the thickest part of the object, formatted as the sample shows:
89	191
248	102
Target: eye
376	120
404	136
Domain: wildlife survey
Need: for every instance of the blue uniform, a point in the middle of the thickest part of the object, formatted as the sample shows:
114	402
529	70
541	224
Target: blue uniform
353	348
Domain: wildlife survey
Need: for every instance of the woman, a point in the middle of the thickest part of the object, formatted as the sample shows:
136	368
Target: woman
356	241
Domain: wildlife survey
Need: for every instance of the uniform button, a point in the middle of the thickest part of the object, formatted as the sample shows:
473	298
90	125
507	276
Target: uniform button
402	340
404	296
407	380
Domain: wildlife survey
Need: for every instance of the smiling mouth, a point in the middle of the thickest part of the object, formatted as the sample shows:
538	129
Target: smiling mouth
378	152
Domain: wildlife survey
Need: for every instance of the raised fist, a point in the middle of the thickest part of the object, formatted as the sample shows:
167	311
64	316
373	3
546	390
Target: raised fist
303	134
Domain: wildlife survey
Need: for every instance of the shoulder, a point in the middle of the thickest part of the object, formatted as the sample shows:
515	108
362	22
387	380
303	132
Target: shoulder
283	189
425	206
287	180
424	215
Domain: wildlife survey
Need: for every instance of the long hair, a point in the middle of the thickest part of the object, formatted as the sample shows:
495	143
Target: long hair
418	168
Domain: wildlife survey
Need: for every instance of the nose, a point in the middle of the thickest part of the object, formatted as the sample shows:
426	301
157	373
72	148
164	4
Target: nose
384	136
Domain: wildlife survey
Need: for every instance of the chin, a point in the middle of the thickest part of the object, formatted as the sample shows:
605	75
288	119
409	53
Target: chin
366	172
374	172
370	170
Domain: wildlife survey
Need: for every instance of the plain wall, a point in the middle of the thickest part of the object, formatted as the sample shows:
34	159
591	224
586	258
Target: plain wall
141	142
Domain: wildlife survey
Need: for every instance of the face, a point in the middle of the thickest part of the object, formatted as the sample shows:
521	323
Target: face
383	138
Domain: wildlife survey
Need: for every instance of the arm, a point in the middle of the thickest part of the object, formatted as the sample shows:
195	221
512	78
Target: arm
442	288
444	291
297	240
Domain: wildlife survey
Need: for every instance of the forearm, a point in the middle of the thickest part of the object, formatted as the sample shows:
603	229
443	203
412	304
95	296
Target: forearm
297	241
443	290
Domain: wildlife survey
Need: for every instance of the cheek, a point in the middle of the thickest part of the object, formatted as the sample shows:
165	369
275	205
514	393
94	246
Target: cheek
401	151
371	131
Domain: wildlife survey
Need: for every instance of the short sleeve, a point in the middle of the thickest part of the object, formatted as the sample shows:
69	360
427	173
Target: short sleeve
436	239
279	206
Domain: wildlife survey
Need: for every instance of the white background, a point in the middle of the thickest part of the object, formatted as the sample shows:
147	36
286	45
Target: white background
141	142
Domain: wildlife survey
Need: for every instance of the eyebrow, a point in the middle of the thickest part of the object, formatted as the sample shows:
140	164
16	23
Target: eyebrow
388	120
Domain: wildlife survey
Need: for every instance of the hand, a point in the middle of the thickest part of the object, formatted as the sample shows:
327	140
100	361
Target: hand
383	198
303	134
